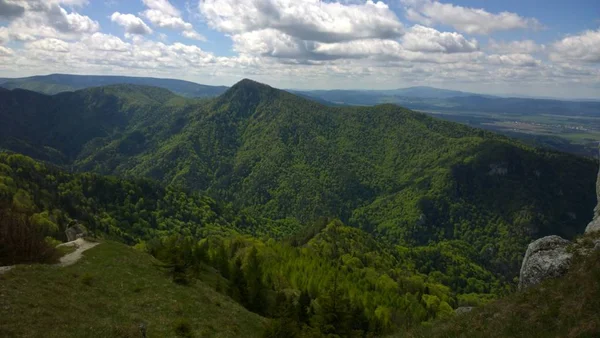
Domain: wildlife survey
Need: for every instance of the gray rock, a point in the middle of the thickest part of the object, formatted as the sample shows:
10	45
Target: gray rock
75	231
463	309
594	225
545	258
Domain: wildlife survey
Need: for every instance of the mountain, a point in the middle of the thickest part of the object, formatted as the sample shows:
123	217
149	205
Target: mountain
58	83
426	92
440	100
405	177
327	220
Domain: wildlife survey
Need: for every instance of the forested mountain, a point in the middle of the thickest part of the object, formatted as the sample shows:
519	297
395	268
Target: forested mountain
58	83
325	278
402	176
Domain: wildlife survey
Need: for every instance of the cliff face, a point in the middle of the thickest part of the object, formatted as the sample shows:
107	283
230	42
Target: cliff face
594	225
552	256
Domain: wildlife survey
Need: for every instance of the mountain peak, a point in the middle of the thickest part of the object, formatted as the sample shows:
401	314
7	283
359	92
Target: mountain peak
248	83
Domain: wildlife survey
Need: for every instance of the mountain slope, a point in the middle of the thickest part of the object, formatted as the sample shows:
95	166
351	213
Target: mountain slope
57	83
110	293
402	176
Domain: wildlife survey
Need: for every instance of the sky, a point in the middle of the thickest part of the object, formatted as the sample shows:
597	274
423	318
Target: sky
547	48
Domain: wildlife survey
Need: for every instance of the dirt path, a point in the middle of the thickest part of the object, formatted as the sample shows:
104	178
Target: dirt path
4	269
80	245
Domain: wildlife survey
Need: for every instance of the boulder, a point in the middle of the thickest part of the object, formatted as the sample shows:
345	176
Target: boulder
75	231
463	309
593	226
545	258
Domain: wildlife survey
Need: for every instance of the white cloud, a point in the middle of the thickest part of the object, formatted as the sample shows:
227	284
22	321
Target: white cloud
163	14
515	47
465	19
310	20
424	39
49	45
131	23
49	19
105	42
518	60
4	35
5	51
584	47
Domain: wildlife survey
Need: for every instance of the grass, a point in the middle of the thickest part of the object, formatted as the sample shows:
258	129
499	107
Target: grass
564	307
111	292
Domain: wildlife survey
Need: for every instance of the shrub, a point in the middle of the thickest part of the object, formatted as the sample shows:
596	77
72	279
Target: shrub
21	242
183	328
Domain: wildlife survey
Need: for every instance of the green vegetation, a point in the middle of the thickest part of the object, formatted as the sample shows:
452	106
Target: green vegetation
565	307
347	221
113	291
407	178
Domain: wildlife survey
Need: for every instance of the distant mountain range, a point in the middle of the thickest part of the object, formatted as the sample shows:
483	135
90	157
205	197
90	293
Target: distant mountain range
419	98
58	83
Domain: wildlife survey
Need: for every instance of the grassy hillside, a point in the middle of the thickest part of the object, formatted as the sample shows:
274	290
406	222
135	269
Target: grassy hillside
564	307
58	83
109	293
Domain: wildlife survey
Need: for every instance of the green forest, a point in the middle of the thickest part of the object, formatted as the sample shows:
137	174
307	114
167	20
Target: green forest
339	221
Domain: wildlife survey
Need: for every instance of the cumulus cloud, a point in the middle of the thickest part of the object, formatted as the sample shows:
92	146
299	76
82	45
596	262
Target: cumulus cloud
310	20
49	45
515	47
273	43
4	35
105	42
49	19
5	51
518	60
9	10
584	47
131	23
425	39
163	14
465	19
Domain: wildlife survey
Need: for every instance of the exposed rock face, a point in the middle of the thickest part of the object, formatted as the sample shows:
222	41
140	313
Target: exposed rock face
463	309
595	223
545	258
75	231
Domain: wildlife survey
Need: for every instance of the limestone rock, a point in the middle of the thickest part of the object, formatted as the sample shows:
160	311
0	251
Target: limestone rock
545	258
463	309
594	225
75	231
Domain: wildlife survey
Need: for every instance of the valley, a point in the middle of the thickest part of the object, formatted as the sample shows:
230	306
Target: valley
346	220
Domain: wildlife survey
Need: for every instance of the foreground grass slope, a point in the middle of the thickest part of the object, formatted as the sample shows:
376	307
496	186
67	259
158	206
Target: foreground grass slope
565	307
109	293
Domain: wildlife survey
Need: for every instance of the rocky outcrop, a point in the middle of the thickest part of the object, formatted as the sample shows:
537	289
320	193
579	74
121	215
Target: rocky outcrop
75	231
594	225
545	258
463	309
548	257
